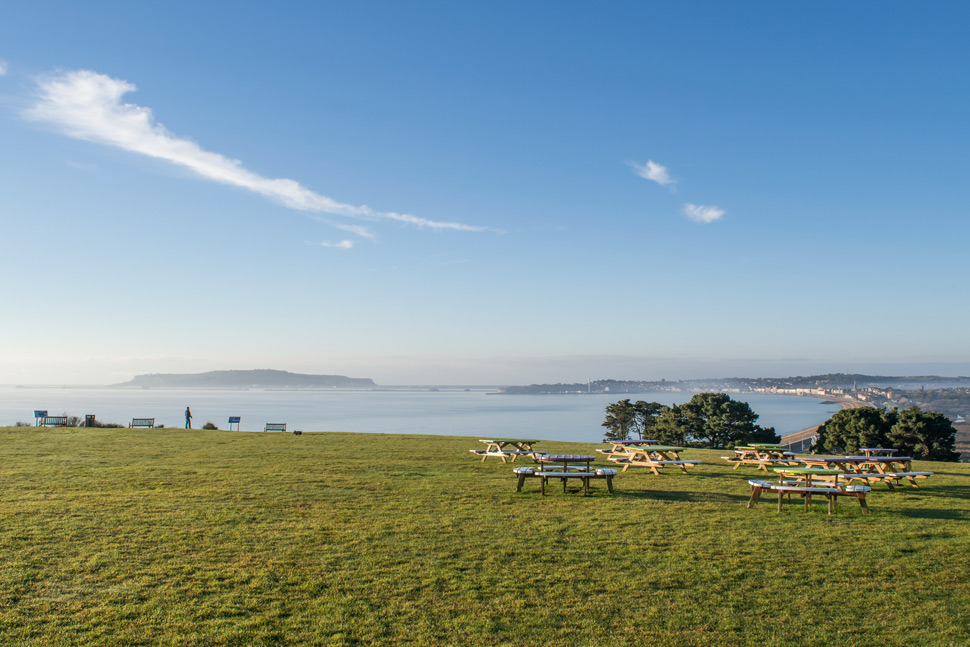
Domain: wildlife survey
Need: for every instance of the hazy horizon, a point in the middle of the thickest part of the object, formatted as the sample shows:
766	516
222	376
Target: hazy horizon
551	377
501	193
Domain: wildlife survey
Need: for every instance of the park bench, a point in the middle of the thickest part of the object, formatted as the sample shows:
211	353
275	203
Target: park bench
544	475
146	423
831	493
53	421
275	426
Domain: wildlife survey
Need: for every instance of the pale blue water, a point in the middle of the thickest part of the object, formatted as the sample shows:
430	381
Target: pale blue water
477	413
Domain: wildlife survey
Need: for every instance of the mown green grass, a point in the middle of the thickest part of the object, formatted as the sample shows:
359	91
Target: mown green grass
165	537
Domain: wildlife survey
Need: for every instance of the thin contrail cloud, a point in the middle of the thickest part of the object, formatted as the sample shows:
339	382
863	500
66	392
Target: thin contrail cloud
87	105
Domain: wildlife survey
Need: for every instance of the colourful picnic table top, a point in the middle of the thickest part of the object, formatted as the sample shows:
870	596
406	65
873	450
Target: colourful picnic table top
566	458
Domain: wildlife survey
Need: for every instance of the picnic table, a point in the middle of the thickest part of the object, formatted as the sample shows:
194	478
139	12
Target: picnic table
803	482
804	475
618	447
762	455
499	449
877	451
889	469
654	457
565	467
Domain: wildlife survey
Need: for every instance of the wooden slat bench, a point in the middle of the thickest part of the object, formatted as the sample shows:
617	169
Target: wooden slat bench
530	472
910	476
53	421
146	423
806	492
275	426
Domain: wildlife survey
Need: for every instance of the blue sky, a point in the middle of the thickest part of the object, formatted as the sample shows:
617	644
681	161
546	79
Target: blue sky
492	193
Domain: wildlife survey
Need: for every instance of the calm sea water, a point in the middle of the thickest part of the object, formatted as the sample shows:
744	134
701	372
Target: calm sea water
477	413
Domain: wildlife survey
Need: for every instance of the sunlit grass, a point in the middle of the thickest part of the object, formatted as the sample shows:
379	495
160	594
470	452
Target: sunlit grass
165	537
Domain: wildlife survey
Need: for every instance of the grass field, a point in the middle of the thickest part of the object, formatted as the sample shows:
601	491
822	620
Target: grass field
171	537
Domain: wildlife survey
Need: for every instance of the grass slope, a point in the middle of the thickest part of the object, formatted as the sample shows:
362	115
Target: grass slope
165	537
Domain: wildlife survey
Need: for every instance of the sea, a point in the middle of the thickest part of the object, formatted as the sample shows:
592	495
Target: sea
474	412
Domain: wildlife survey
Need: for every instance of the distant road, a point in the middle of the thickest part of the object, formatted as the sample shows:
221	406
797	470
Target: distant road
806	434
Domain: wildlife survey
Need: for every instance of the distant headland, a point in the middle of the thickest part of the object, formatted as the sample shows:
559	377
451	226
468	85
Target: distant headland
246	379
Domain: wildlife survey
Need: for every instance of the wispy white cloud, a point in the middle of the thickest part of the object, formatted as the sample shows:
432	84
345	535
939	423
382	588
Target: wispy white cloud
702	213
343	244
655	172
357	230
86	105
3	68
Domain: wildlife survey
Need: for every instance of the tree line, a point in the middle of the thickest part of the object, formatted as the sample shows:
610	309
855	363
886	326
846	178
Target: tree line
707	420
716	421
925	435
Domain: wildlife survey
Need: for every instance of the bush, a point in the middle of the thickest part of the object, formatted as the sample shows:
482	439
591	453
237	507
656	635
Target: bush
209	425
106	425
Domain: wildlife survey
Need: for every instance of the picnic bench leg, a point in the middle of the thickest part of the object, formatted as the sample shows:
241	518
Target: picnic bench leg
563	485
518	488
484	456
781	497
808	499
862	501
755	495
609	483
543	479
831	498
586	486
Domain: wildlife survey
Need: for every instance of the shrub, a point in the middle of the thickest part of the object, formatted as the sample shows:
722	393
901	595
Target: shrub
209	425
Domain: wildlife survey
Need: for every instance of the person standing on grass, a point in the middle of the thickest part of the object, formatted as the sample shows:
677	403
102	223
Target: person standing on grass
188	418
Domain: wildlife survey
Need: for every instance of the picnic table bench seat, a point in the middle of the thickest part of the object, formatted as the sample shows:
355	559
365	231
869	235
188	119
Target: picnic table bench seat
831	493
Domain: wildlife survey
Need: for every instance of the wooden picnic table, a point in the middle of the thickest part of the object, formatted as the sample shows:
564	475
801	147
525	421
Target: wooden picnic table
805	474
618	447
890	469
877	451
804	484
653	457
762	455
498	448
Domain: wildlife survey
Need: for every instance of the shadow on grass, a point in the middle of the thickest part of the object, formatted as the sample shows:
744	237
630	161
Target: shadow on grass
682	496
934	513
926	489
